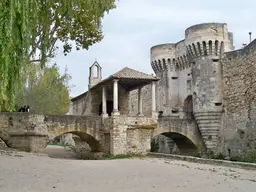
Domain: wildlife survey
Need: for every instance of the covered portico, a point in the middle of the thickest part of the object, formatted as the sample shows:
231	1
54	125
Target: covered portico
118	87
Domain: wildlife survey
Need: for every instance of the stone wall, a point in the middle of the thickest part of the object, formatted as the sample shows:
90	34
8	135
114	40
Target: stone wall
130	134
146	101
79	105
238	131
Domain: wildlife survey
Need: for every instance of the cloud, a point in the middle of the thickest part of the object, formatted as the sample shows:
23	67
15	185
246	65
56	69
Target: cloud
137	25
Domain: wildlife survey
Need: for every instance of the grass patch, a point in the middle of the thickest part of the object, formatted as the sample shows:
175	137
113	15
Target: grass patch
121	156
102	156
250	157
198	155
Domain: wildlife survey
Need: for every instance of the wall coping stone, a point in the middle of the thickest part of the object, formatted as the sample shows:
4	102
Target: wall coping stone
17	134
241	165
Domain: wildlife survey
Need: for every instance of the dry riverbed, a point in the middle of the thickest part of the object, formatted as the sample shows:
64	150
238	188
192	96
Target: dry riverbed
24	172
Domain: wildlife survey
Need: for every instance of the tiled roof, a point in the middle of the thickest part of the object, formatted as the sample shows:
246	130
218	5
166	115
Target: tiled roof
128	73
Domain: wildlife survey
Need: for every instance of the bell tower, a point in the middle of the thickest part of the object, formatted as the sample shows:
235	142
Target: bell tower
95	75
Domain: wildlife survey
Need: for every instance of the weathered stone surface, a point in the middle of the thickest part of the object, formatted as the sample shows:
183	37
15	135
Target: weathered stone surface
238	133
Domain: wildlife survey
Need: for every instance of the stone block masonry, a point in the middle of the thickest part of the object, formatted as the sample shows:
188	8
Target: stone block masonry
238	133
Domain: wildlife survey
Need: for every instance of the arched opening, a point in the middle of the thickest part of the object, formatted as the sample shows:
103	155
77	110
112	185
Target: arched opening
204	48
194	47
210	47
199	48
72	145
3	144
163	60
160	65
188	107
109	108
173	143
190	49
216	47
94	71
221	49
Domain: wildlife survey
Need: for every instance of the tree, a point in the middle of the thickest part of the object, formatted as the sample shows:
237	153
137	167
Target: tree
29	30
44	90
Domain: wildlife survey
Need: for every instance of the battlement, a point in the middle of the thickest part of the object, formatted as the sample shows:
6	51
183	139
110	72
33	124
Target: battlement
207	39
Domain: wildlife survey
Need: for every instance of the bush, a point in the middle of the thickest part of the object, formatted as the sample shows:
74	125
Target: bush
250	157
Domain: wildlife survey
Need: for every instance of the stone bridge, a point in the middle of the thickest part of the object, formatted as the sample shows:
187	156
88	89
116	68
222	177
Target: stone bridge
183	132
116	135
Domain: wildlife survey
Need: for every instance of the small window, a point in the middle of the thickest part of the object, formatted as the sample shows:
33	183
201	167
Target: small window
215	60
174	77
218	104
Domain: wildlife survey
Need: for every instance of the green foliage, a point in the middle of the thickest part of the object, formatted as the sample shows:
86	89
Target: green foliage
29	30
218	156
44	90
121	156
250	157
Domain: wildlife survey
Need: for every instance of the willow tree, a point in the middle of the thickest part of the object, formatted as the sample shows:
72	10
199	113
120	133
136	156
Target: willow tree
29	30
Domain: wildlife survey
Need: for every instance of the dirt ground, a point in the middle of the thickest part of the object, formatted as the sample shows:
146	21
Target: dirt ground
24	172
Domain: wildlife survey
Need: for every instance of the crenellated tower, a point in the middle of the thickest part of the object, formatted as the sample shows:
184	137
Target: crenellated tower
191	77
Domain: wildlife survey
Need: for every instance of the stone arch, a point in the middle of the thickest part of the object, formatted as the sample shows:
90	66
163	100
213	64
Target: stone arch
188	53
170	65
4	141
153	66
156	66
184	144
95	70
88	138
221	49
199	48
210	47
194	47
164	63
204	48
174	142
160	65
216	47
190	49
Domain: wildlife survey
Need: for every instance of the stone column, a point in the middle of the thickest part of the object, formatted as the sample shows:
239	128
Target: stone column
140	102
115	98
153	97
104	102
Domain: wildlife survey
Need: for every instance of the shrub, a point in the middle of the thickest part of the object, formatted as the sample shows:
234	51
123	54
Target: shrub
250	157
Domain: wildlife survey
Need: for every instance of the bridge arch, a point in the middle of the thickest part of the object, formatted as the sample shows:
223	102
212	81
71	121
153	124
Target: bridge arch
4	138
184	144
4	141
84	136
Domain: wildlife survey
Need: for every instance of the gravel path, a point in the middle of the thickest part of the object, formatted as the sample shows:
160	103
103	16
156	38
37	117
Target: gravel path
23	172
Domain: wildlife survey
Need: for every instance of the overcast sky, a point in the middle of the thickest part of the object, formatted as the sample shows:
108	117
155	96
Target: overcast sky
136	25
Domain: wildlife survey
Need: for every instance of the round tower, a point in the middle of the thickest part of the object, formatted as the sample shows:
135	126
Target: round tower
163	61
205	44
